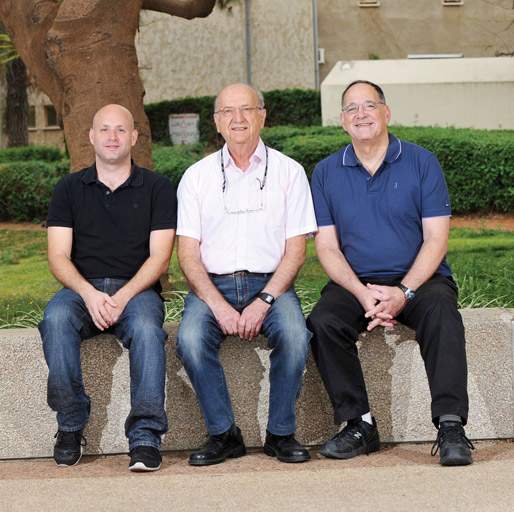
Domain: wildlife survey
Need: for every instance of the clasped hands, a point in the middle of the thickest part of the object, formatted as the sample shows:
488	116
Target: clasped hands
105	310
247	324
382	304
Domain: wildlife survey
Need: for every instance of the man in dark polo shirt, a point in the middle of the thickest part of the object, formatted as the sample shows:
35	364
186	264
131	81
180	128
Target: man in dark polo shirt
111	229
383	213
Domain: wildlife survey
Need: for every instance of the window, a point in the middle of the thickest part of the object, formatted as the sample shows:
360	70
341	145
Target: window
51	117
369	3
452	2
32	117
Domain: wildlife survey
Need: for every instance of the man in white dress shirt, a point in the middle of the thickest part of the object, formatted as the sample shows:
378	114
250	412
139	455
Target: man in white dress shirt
244	213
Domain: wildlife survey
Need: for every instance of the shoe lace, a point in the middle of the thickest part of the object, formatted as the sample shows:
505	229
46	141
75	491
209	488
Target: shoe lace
450	434
69	439
351	433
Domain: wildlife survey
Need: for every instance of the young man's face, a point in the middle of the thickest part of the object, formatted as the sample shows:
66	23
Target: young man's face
113	134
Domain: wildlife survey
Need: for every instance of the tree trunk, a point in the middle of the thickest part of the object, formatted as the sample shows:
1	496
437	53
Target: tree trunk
17	104
82	54
93	54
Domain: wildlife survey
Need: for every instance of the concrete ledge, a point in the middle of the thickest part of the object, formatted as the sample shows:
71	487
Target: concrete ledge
393	368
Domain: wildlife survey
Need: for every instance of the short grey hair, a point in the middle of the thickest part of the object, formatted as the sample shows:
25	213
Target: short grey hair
258	93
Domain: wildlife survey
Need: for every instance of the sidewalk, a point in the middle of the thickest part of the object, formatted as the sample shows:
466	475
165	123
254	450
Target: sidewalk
398	478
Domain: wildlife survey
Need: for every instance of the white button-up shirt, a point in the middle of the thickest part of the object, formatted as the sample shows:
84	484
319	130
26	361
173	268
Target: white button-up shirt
244	228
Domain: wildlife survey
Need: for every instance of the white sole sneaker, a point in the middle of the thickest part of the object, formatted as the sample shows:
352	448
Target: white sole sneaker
70	465
141	467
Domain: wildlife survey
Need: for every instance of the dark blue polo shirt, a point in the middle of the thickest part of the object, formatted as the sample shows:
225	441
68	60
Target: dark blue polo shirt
378	218
111	230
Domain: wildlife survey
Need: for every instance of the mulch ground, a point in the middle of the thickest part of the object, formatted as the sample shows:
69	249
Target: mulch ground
503	222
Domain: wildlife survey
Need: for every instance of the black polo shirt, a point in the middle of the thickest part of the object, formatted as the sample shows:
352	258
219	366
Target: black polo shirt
111	230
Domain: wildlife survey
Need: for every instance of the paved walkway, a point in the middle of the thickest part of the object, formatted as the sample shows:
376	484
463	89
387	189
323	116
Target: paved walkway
398	478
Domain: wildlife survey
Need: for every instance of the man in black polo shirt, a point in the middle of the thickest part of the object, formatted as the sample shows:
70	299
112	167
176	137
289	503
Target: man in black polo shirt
111	229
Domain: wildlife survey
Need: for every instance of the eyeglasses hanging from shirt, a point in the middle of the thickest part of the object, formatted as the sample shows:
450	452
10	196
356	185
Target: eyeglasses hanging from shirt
245	195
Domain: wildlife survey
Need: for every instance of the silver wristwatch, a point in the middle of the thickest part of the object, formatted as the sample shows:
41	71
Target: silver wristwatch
409	294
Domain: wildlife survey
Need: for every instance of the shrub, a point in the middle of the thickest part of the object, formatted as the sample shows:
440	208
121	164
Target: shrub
478	164
26	188
158	116
290	106
24	153
173	161
300	107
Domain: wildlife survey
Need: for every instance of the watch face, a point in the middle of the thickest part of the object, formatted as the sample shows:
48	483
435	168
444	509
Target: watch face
266	297
409	294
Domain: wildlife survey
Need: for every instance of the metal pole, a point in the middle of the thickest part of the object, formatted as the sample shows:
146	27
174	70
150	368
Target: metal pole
248	41
316	42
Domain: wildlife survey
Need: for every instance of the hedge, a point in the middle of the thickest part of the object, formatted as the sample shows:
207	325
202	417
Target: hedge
26	188
301	107
172	161
478	164
24	153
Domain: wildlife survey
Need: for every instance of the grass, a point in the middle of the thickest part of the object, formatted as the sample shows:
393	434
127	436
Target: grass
482	262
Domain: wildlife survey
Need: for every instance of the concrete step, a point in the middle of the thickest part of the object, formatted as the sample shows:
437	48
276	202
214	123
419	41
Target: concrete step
393	368
401	478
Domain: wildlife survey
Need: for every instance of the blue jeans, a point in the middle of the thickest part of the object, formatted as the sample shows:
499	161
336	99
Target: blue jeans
66	323
199	339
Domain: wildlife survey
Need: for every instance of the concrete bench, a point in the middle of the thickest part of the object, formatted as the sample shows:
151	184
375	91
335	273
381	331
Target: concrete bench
393	368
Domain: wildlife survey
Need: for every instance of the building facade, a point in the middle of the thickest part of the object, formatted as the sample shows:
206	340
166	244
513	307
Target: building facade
276	45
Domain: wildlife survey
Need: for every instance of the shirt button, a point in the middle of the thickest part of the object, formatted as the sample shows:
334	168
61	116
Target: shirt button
107	192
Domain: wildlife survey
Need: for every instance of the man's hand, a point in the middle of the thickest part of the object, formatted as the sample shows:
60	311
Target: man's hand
369	301
391	300
251	319
227	318
100	305
121	302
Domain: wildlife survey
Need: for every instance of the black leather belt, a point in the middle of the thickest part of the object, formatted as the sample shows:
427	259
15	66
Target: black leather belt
242	273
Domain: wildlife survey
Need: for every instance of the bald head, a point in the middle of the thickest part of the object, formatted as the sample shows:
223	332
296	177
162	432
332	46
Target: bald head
114	111
236	88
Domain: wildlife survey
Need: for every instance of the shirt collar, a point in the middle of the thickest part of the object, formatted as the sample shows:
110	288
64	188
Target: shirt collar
134	180
394	150
259	155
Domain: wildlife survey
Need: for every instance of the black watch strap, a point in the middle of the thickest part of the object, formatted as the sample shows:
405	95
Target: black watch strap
267	298
409	294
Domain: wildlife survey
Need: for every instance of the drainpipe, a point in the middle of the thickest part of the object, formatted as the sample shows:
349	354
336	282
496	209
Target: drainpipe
248	41
316	42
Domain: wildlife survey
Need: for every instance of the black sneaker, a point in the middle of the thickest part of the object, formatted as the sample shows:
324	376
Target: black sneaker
356	438
145	458
285	448
68	447
218	448
453	445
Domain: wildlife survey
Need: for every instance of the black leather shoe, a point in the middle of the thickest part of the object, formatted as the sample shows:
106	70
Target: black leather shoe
285	448
218	448
453	445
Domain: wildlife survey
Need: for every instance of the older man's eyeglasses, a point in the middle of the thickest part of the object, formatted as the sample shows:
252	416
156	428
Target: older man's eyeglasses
229	112
231	199
367	106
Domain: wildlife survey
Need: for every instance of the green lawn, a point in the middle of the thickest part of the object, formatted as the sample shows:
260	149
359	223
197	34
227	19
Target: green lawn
482	261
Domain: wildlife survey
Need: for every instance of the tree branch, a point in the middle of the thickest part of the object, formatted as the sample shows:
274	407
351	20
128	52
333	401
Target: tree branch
28	22
188	9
